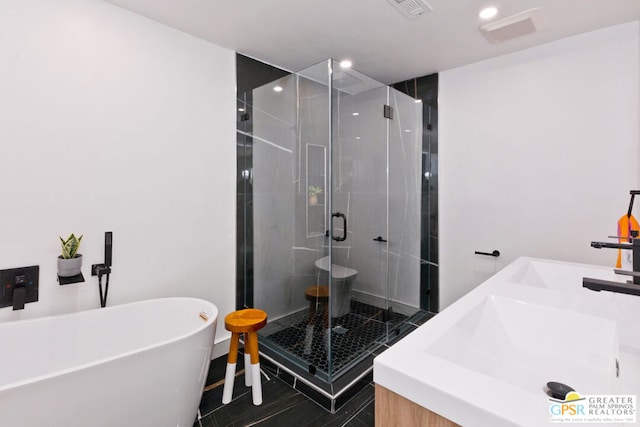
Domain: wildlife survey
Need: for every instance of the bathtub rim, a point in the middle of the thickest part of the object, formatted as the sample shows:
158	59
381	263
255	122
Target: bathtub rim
211	321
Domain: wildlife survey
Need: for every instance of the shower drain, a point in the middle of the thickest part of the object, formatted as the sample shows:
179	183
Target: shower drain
340	330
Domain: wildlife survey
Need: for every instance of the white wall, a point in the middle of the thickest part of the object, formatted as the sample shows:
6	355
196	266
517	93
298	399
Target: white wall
112	122
538	152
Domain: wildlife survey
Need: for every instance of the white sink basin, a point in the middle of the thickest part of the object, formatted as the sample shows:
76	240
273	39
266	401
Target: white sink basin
557	275
528	345
567	278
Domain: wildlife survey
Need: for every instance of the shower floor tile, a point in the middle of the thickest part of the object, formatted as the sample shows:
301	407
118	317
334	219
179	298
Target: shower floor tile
353	335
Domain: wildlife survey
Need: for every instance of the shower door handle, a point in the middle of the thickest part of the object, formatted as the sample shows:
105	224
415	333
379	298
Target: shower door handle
344	228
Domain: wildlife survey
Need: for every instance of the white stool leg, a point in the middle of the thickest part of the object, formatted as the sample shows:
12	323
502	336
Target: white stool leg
256	388
247	367
229	378
256	381
308	340
325	339
230	375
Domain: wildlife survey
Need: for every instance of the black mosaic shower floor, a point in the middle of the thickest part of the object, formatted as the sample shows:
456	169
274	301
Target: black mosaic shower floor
361	329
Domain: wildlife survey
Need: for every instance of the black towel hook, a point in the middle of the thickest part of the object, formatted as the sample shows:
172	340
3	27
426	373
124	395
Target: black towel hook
633	195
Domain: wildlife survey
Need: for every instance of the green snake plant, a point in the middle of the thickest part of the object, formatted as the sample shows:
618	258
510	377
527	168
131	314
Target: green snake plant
70	246
314	191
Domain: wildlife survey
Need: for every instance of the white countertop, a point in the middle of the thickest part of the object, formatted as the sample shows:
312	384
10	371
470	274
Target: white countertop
485	359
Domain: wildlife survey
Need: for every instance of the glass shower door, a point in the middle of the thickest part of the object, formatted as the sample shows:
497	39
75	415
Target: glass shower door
375	204
358	248
404	212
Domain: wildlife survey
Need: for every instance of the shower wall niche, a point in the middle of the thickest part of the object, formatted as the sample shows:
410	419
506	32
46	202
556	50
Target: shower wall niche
336	193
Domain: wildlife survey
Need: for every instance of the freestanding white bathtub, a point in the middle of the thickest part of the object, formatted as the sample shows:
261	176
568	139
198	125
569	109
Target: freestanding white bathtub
141	364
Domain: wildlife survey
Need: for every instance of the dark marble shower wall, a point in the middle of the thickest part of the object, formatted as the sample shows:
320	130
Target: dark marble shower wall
426	89
250	74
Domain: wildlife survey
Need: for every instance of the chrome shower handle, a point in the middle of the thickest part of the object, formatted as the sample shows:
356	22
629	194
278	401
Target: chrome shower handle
344	228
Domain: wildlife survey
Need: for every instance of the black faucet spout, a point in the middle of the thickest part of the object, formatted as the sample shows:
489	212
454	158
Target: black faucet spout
609	245
606	285
19	297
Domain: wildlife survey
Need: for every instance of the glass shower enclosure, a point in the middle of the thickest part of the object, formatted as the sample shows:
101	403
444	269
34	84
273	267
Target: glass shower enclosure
335	183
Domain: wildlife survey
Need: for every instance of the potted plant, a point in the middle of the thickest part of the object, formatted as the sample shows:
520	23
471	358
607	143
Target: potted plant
313	194
70	262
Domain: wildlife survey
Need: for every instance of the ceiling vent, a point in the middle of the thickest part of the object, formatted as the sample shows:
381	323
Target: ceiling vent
411	9
517	25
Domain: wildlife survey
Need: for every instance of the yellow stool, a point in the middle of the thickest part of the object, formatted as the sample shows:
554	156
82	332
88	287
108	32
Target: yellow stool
247	322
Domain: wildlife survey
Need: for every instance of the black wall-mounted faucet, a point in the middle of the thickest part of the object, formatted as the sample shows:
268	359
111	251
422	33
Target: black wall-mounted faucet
19	286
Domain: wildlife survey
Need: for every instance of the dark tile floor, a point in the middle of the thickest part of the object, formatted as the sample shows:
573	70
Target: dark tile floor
282	405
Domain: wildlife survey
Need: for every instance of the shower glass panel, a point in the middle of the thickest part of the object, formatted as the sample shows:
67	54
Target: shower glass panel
359	154
404	206
336	215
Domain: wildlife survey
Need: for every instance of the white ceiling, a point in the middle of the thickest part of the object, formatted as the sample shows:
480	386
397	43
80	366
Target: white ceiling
381	42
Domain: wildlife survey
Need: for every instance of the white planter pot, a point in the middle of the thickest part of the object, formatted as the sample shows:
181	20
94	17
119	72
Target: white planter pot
69	267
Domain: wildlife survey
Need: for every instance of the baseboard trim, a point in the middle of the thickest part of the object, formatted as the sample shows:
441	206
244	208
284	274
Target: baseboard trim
220	348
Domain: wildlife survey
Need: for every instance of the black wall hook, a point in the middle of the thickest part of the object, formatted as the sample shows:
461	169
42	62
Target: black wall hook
495	253
633	195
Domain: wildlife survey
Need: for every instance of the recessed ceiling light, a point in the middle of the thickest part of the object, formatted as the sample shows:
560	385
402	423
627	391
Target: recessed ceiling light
407	130
355	114
277	88
488	12
357	137
241	109
346	63
418	101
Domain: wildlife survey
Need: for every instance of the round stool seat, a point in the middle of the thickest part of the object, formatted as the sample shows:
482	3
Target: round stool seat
314	292
247	320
